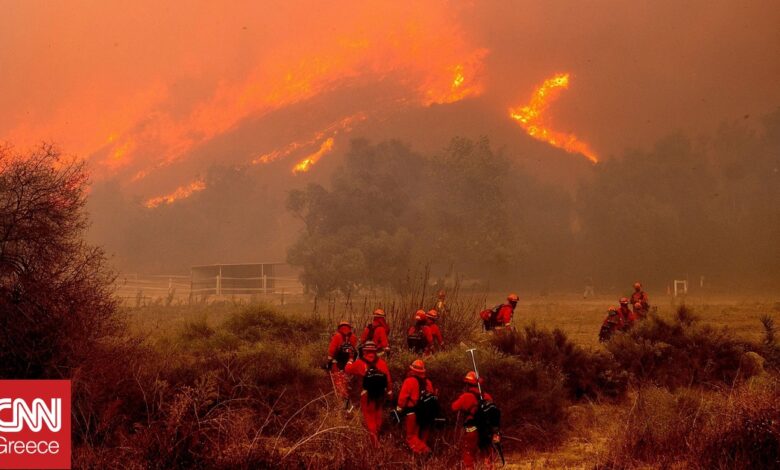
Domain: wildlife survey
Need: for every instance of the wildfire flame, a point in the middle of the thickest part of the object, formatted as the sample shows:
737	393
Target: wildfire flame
305	165
333	129
181	192
532	118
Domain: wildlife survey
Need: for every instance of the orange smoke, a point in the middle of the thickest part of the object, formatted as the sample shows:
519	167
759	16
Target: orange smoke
532	118
181	192
305	165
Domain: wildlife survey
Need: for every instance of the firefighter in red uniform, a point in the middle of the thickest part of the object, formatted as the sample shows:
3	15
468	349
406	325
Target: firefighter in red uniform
639	312
467	403
640	296
419	337
505	313
342	349
376	331
438	341
408	398
626	314
613	323
377	385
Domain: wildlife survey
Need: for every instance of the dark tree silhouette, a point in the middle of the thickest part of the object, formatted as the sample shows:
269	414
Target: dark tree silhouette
55	290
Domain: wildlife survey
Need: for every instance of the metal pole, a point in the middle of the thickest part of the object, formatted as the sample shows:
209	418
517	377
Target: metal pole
474	362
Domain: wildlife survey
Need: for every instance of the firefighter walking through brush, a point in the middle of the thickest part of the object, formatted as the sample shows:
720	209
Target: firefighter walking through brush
418	404
437	342
342	349
480	424
376	331
377	385
419	337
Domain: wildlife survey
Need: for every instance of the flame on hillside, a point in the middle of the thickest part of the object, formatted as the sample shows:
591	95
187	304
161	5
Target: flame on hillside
343	125
182	192
533	118
305	165
422	52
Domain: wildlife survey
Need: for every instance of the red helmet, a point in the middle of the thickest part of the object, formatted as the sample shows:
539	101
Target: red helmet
637	285
344	323
471	378
624	301
513	298
612	311
420	315
379	313
432	314
369	346
417	366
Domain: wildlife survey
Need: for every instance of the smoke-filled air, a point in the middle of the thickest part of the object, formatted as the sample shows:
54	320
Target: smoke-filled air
226	185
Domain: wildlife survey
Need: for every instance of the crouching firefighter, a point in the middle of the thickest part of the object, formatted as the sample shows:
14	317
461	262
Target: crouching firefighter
377	385
419	405
481	434
500	316
611	324
342	349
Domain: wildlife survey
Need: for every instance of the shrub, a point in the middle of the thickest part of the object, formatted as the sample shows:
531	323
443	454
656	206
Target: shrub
262	321
701	429
531	396
678	353
591	374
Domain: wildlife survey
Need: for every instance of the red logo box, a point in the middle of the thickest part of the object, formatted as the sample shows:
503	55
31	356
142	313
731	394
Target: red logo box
34	424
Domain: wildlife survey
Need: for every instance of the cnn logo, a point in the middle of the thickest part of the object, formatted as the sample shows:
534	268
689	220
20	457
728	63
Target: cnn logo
35	424
34	416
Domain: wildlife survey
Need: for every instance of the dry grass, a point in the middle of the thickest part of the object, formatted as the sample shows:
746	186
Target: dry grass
231	386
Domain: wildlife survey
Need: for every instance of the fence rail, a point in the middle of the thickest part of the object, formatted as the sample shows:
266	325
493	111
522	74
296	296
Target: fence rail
134	290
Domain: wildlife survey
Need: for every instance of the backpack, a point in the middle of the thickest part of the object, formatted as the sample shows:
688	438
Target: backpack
490	317
345	351
370	327
374	382
487	420
415	340
427	408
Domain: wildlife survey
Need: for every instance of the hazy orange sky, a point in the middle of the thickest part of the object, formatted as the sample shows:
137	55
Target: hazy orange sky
136	86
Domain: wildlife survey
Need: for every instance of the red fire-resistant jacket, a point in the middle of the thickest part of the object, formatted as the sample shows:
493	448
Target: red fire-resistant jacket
427	334
380	334
468	403
640	297
360	367
504	316
627	315
410	392
337	340
435	334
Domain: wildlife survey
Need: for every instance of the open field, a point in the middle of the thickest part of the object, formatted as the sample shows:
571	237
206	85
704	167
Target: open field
568	432
579	319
